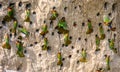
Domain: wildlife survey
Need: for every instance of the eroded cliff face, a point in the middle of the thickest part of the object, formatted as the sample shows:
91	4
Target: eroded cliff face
76	13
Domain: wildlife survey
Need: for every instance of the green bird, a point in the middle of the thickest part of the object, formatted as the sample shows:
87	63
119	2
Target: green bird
102	34
10	14
84	55
62	26
27	17
19	45
97	40
90	28
44	30
107	58
106	20
6	44
15	24
54	15
24	31
45	46
111	45
66	39
59	56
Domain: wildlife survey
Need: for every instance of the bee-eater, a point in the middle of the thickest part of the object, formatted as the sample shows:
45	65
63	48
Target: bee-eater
45	46
54	14
97	39
44	30
111	45
102	34
84	55
66	39
27	17
19	45
59	56
90	28
6	44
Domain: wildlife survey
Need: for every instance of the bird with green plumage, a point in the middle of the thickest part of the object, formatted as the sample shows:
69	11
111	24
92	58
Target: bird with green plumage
54	14
10	14
15	24
90	27
24	31
84	55
44	30
6	44
59	56
66	39
45	46
97	41
102	34
107	58
62	26
107	21
111	45
20	49
27	17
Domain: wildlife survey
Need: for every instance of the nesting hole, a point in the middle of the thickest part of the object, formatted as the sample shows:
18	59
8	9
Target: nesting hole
72	47
65	9
108	30
35	42
70	37
63	45
39	55
52	33
4	22
31	45
75	7
77	51
37	30
109	14
20	4
74	24
0	5
83	24
86	39
10	35
0	27
114	6
34	12
31	22
78	62
63	59
28	5
79	38
70	56
25	51
98	14
105	5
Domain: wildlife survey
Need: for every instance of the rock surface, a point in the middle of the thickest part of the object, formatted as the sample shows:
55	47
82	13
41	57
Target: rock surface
79	11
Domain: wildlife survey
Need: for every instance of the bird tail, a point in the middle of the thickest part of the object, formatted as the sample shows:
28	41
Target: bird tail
59	62
89	31
27	19
102	36
83	60
5	45
68	42
20	54
113	29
